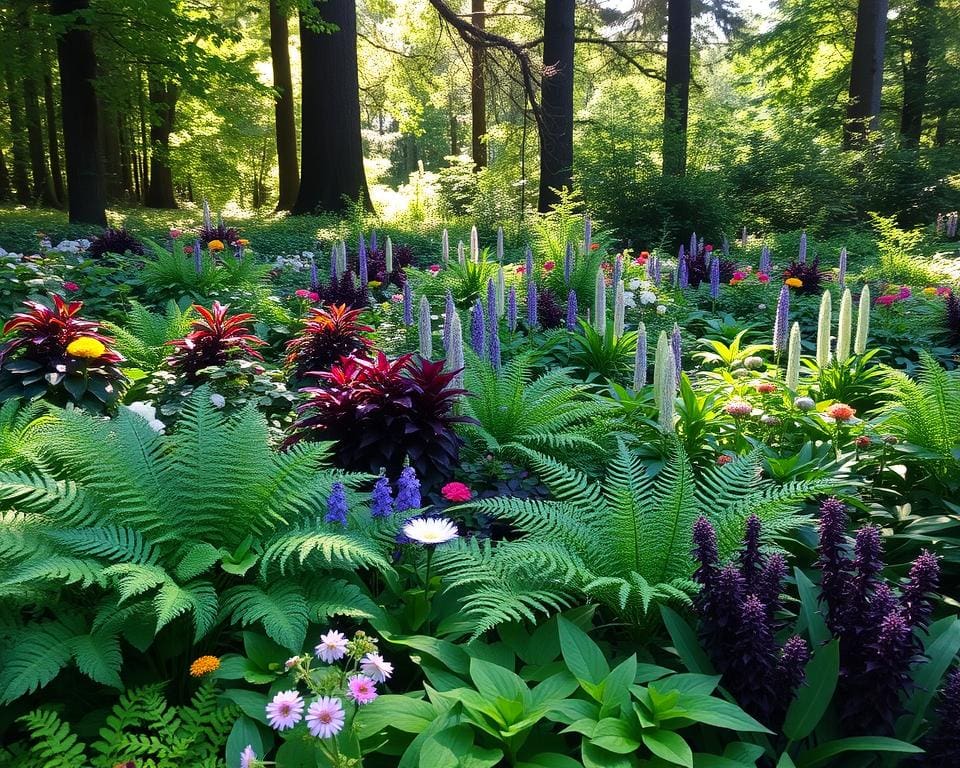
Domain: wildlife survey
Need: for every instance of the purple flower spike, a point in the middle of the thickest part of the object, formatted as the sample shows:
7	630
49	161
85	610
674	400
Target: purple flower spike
408	491
923	581
675	346
495	347
197	256
714	277
529	264
492	307
751	561
683	273
571	310
531	304
781	324
512	309
362	259
657	270
381	499
337	505
478	329
705	551
407	304
448	312
373	240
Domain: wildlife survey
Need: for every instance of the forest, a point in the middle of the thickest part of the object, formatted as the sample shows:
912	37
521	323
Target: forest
480	383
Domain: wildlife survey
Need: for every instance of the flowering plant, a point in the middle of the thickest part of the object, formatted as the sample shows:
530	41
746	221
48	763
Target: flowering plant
215	338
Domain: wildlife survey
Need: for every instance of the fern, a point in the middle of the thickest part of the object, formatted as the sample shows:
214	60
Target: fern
143	338
622	540
53	741
22	432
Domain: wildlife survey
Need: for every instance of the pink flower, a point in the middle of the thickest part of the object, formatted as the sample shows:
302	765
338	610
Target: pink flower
302	293
373	665
285	711
521	269
905	293
763	277
708	248
72	287
361	689
723	458
188	249
456	492
247	757
333	646
434	268
325	717
175	233
841	412
314	296
549	265
766	387
886	300
739	275
943	291
396	298
738	408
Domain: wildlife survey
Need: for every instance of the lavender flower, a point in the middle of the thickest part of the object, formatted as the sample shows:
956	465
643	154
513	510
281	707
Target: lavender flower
705	551
571	310
751	677
781	323
362	259
337	505
197	256
529	264
425	330
531	304
495	347
408	491
683	272
640	359
714	278
923	580
802	255
477	329
448	312
568	262
675	348
373	240
657	270
455	352
407	304
617	270
834	564
842	273
765	259
512	309
381	499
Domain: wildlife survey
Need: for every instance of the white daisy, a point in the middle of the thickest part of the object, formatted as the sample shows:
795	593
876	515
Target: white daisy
430	530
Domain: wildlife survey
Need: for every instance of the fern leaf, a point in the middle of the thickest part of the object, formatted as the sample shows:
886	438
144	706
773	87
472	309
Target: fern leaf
281	608
98	656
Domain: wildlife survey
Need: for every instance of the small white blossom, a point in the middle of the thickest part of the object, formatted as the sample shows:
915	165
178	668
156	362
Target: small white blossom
661	309
218	400
148	413
648	297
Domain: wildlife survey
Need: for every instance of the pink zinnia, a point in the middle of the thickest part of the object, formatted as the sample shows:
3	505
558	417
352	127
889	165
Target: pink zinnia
285	711
302	293
361	689
373	665
397	298
905	293
738	408
739	275
72	287
886	300
456	492
708	248
175	233
325	717
549	265
435	268
763	277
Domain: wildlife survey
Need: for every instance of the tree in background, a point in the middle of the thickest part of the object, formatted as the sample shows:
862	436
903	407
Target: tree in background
676	98
556	102
866	73
285	122
478	93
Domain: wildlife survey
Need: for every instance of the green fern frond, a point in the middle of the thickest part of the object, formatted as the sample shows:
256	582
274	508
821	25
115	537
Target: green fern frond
198	598
33	658
108	542
280	607
337	549
98	656
327	598
59	569
53	741
43	495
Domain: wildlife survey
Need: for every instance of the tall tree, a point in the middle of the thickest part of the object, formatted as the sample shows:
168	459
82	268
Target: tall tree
18	138
866	73
478	90
556	101
163	102
6	191
53	132
332	151
919	25
285	123
677	90
81	120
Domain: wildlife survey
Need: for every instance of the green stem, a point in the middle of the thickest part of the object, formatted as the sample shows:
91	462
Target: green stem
426	586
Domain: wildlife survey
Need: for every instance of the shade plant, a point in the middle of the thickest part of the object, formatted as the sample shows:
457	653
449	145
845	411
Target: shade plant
215	337
328	334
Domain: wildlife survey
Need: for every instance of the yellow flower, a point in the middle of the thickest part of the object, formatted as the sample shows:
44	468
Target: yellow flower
86	347
243	241
215	245
204	666
794	282
374	283
385	305
930	291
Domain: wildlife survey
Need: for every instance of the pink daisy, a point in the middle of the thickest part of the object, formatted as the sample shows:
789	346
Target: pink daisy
333	646
248	757
361	689
285	711
325	717
373	665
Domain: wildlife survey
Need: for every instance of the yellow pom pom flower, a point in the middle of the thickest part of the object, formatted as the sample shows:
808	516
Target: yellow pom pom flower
215	245
794	282
86	347
204	666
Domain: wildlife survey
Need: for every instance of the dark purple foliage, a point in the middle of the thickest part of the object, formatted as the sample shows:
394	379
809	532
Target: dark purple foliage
343	290
220	231
942	744
807	273
550	313
117	241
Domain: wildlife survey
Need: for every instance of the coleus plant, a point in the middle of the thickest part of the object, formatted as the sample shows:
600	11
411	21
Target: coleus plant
328	334
381	414
53	353
808	273
215	338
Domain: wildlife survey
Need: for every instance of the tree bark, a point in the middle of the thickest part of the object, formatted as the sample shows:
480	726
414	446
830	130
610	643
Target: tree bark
19	154
332	151
286	127
866	73
478	91
53	133
556	102
676	103
6	192
112	157
163	101
42	183
916	72
81	129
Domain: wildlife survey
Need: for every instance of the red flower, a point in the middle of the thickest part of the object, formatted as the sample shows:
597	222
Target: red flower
549	265
188	249
72	287
521	269
841	412
887	300
435	268
302	293
708	248
594	246
763	277
766	387
457	492
724	459
862	441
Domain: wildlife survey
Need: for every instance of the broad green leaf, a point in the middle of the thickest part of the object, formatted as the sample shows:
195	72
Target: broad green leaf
670	746
940	653
401	712
689	682
615	735
616	686
549	760
811	617
685	641
252	703
264	652
452	656
243	734
493	681
824	752
595	757
814	696
786	761
584	658
718	712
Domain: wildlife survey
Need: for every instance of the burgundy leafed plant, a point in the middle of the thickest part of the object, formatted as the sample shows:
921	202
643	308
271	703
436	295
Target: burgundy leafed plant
377	265
698	269
343	290
55	353
549	312
219	231
380	413
214	339
328	335
808	273
117	241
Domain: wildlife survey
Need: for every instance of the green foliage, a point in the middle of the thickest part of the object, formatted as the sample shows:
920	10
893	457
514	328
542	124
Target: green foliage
141	340
621	539
22	433
132	531
173	275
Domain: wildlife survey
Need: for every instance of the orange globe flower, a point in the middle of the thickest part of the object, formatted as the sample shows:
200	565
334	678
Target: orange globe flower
794	282
204	666
215	245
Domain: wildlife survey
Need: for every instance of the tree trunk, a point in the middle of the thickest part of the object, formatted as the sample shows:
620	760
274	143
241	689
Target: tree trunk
18	139
866	73
5	190
163	100
940	137
478	92
332	151
53	133
286	127
144	144
112	157
556	102
676	103
916	72
81	129
42	183
126	157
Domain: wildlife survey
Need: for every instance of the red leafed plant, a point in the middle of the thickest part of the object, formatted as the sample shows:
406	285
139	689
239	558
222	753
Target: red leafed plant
214	339
381	413
55	353
328	335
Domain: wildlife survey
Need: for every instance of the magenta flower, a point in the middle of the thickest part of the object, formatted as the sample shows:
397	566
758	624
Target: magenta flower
325	717
285	711
738	408
361	689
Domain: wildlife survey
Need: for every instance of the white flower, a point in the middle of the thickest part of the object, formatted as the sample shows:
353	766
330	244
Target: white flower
628	299
307	255
648	297
333	646
83	243
148	413
430	530
291	662
661	309
634	284
373	666
218	400
3	252
761	306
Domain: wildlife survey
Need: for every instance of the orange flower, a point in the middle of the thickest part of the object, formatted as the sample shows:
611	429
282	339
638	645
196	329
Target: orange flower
215	245
204	666
243	241
766	387
794	282
841	412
